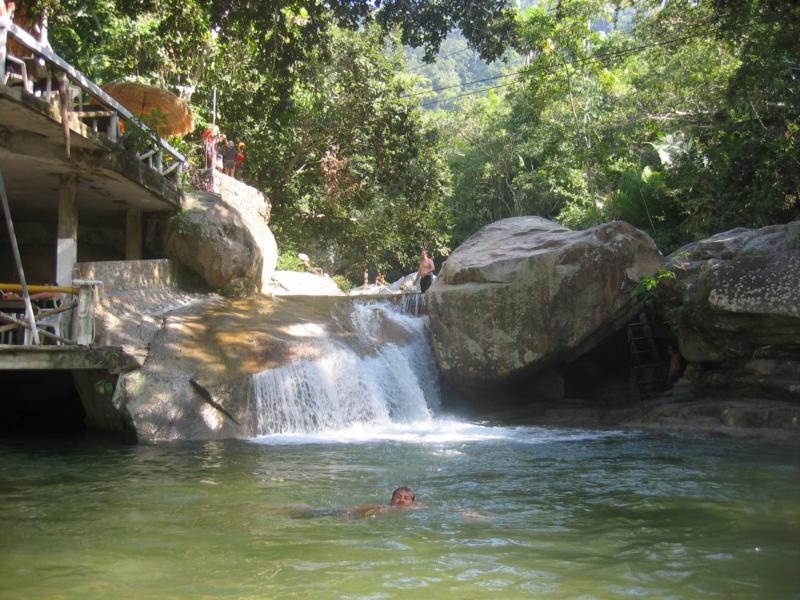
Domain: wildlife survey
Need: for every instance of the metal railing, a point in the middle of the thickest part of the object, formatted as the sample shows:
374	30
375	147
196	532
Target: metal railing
81	99
65	322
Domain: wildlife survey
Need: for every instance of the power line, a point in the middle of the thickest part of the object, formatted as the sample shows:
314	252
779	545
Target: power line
524	71
438	58
596	58
458	85
486	89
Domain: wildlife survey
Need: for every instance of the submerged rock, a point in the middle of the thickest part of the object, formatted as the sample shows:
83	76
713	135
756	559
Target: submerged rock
735	304
227	243
525	293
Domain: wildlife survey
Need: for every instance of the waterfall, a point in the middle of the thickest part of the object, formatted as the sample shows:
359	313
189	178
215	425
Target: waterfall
372	365
413	304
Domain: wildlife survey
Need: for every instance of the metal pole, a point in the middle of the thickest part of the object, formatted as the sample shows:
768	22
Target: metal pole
214	107
3	38
64	102
13	237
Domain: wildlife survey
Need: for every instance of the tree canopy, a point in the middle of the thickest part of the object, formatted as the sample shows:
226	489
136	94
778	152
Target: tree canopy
684	122
680	117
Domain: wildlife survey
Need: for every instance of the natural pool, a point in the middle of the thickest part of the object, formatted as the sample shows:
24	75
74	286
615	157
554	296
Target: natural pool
564	514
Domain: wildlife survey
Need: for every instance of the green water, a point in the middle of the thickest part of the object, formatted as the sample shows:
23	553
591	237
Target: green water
564	514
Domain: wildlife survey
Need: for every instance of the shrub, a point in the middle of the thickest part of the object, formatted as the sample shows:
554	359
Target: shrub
343	282
288	261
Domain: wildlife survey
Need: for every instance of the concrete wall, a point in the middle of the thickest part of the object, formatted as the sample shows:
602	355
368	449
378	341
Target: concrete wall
120	276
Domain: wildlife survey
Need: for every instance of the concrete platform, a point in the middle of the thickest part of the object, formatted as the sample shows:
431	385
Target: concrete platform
110	179
112	359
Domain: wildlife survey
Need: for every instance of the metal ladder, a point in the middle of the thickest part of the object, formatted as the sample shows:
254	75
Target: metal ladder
647	368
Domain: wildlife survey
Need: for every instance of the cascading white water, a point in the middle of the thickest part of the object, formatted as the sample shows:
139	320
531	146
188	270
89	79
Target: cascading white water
413	304
385	374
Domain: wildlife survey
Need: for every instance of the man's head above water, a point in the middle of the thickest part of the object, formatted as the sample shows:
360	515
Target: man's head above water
402	496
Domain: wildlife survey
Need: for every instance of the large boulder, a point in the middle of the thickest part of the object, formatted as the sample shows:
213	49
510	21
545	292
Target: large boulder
227	243
735	304
525	293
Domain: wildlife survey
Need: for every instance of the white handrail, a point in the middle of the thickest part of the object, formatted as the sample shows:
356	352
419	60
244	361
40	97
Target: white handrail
28	41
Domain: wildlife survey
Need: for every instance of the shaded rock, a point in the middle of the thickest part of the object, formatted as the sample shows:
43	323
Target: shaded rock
547	385
525	293
735	303
226	243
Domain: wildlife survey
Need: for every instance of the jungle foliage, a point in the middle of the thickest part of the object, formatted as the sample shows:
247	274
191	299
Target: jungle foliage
681	117
317	92
684	122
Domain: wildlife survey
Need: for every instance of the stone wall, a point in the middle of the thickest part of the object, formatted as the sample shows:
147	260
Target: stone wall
134	297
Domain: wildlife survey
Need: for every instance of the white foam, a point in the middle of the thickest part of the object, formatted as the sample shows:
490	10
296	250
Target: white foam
435	432
386	388
386	383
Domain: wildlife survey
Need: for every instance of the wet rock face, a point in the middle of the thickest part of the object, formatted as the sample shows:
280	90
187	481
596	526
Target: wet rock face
525	293
227	244
736	304
196	379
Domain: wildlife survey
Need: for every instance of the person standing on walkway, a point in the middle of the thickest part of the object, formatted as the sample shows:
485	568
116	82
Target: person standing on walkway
210	141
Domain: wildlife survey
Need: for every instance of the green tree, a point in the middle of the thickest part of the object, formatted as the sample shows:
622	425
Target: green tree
357	179
684	122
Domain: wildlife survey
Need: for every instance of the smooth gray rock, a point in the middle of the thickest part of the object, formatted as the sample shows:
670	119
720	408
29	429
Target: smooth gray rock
525	293
228	244
196	379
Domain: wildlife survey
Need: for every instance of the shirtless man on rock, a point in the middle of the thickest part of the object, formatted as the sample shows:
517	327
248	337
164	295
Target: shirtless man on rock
425	271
